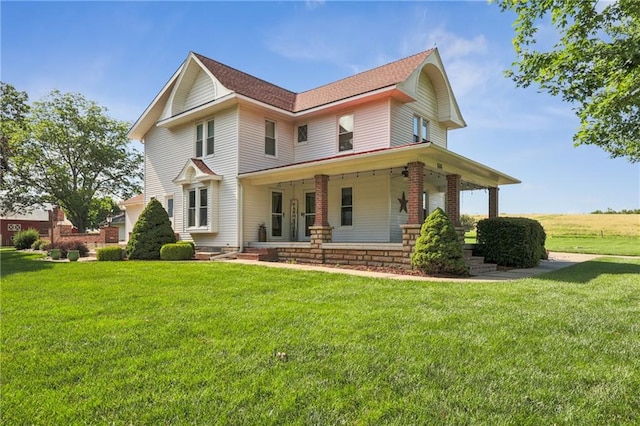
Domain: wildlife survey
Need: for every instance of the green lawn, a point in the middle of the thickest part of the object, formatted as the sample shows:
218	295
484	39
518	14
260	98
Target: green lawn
197	343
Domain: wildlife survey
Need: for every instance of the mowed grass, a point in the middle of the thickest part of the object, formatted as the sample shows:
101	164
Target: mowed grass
198	343
612	234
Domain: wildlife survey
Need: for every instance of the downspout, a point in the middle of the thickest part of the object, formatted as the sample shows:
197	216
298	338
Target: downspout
240	216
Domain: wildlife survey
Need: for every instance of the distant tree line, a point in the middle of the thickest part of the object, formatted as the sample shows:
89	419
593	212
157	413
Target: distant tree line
623	211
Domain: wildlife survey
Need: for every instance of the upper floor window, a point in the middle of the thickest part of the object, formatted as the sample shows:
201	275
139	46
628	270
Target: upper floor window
346	208
345	133
420	129
269	137
200	130
302	133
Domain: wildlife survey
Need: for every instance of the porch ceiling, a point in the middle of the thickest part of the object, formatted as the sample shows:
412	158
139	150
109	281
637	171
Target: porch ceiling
435	158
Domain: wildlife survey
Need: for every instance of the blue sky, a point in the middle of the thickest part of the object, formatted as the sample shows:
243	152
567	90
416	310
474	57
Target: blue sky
120	54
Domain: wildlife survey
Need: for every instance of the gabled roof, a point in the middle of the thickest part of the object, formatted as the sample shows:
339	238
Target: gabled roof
248	85
399	76
195	170
364	82
138	199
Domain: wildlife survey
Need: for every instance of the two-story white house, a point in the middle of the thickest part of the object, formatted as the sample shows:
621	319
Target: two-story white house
347	167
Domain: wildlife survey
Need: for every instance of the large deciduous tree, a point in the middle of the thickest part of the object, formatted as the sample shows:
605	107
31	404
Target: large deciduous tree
13	127
73	153
595	65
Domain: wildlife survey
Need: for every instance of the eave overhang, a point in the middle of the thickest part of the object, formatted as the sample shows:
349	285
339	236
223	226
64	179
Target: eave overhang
433	156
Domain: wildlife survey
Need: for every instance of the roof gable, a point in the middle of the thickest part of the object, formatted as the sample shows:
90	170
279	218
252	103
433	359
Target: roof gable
401	74
195	170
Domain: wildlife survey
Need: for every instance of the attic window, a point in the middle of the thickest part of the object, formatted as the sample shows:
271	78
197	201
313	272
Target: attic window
302	133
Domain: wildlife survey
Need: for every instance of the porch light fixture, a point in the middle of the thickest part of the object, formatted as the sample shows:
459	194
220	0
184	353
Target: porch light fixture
405	174
109	220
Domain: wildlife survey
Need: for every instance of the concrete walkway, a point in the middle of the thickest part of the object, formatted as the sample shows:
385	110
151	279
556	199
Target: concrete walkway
556	261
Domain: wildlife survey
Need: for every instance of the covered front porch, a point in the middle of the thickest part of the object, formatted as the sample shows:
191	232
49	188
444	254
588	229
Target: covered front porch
364	207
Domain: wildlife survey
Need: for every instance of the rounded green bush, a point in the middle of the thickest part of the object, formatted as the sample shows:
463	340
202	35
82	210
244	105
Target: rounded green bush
73	255
25	239
176	251
112	253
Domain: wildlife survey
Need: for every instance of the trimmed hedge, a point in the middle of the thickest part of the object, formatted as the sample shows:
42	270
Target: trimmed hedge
25	239
176	251
516	242
110	254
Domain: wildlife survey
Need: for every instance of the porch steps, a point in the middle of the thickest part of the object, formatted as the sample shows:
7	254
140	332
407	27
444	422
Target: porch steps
259	254
476	263
205	255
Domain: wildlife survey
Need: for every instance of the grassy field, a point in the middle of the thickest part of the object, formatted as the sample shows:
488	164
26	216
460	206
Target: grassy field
617	234
203	343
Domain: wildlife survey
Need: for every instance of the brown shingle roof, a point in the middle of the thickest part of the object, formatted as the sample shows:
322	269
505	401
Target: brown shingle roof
202	166
364	82
248	85
138	199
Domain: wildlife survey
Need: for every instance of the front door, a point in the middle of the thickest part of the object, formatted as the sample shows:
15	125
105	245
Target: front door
309	213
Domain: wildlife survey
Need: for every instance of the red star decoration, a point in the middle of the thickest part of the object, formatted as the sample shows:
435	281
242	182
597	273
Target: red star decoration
403	203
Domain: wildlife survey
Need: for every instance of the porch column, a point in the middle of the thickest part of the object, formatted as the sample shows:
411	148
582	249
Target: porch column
453	198
322	200
415	190
493	202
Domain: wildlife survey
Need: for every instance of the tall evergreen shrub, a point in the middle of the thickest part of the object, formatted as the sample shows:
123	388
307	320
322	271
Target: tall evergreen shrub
438	250
150	233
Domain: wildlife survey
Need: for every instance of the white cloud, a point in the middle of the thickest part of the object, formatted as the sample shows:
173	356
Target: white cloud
313	4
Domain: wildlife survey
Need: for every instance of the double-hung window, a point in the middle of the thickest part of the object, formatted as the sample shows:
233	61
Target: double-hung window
269	137
345	133
198	207
201	147
169	206
346	208
420	129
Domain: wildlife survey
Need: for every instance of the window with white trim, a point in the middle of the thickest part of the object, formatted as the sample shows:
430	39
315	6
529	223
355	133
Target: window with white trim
346	207
197	207
270	137
168	204
202	148
420	129
345	132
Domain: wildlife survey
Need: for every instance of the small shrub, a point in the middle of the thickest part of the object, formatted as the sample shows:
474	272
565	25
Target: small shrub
191	243
112	253
24	239
150	233
67	245
56	253
73	255
437	249
176	251
40	244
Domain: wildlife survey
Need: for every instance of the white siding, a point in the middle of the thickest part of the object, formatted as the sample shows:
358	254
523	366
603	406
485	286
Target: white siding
130	218
370	209
398	186
166	153
371	131
435	200
425	106
251	141
401	124
200	92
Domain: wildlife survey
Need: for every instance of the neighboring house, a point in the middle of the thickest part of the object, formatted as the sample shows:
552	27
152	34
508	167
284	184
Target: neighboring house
354	164
132	209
